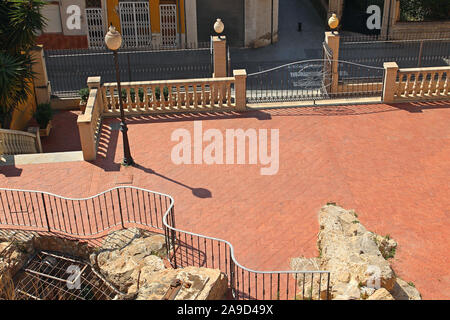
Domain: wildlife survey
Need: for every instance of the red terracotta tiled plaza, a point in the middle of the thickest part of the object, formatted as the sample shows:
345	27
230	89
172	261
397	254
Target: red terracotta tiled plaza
389	163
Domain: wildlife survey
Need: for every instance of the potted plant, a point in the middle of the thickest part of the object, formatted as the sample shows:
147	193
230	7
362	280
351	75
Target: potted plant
84	95
43	116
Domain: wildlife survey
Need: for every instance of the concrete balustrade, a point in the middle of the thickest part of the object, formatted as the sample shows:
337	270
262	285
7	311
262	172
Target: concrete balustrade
157	97
89	122
415	84
423	84
13	142
169	96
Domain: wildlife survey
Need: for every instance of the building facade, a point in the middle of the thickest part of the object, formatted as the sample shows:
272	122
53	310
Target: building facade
159	23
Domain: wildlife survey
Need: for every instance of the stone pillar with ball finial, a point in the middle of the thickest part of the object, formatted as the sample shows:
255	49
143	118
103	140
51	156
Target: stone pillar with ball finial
332	40
220	50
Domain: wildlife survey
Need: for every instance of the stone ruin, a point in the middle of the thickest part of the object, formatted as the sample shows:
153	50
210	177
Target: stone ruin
356	258
129	265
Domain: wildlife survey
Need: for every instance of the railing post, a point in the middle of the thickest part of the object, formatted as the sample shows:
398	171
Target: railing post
84	121
86	138
95	83
240	89
120	209
35	131
232	274
390	81
333	39
220	56
173	236
45	212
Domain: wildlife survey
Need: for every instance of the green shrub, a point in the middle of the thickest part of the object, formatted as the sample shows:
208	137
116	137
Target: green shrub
165	93
84	94
141	94
43	114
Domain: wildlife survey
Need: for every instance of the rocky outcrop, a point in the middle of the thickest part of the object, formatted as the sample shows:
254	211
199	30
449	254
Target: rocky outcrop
13	256
123	262
347	247
132	260
356	258
405	291
381	294
197	284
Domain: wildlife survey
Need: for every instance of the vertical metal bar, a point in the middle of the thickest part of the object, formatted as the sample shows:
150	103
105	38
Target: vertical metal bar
3	206
264	286
419	58
295	286
81	214
320	284
271	286
129	65
45	212
278	287
120	209
256	286
287	287
75	215
88	216
328	286
173	238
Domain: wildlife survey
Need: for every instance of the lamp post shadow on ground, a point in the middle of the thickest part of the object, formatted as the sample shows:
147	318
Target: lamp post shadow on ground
113	41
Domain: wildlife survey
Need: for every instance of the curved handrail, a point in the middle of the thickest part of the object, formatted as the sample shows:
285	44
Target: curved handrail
91	197
75	210
232	250
165	223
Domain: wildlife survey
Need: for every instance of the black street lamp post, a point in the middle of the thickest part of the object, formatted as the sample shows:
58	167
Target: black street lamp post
113	41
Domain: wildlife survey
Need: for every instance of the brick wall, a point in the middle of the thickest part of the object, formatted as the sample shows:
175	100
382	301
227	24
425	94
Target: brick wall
61	41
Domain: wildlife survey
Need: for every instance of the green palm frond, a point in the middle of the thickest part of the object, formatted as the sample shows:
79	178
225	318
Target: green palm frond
15	76
25	21
20	22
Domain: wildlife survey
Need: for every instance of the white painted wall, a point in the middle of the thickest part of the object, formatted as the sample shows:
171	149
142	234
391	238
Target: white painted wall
258	22
52	14
191	21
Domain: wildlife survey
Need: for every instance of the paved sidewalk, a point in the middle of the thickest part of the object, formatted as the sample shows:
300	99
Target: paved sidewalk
389	163
292	45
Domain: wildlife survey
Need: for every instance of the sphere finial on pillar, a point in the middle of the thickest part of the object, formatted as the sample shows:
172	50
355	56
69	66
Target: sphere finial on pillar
333	22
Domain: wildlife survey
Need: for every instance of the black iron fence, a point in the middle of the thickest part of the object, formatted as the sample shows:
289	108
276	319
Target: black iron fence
347	36
69	69
125	207
314	80
408	53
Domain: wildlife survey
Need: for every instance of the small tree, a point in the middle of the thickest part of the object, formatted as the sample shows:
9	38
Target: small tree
20	22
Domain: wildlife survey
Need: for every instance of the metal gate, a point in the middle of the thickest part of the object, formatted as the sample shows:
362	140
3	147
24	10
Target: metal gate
312	80
96	28
168	16
135	24
327	65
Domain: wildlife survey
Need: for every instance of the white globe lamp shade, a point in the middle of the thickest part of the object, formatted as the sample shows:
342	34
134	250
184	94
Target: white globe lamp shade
113	39
219	26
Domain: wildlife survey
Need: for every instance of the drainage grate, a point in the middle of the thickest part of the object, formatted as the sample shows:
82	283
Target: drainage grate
53	276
